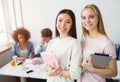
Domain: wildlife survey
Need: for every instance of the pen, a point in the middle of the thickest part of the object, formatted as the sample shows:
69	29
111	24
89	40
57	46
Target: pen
29	71
20	63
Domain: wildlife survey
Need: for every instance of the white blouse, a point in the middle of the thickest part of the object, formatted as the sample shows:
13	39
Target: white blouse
68	52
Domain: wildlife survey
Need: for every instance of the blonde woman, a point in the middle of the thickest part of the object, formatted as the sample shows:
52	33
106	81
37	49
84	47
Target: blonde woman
95	40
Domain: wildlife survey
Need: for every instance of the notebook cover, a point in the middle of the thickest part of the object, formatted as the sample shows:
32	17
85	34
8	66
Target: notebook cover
50	59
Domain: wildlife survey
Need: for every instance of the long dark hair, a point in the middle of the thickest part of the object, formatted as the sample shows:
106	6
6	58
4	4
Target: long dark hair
72	31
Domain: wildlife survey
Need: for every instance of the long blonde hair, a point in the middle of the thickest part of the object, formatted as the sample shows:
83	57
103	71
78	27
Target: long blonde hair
100	25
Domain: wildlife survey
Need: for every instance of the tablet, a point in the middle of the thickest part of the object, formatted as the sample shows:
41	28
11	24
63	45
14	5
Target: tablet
50	59
100	61
101	54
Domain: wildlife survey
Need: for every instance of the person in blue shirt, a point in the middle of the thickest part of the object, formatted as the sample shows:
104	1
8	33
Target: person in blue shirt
22	48
46	36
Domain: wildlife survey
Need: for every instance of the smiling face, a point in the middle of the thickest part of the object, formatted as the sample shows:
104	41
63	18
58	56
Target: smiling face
64	23
89	19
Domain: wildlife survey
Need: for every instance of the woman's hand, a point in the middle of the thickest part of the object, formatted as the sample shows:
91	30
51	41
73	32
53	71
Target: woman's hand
87	64
31	56
51	71
35	61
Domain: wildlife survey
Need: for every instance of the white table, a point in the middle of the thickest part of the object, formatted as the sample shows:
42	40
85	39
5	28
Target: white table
19	71
118	76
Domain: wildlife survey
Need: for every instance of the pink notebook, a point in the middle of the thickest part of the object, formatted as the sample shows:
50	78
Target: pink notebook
50	59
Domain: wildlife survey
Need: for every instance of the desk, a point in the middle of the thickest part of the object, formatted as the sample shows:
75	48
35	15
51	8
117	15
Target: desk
38	71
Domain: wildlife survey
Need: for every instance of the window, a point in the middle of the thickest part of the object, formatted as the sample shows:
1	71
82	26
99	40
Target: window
6	26
3	32
9	20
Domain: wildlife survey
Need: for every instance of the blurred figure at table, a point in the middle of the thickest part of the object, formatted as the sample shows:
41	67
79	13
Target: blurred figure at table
22	48
46	36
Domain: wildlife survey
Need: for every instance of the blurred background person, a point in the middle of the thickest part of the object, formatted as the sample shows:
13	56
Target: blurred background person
46	36
22	48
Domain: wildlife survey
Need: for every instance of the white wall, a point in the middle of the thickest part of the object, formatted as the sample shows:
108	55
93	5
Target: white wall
38	14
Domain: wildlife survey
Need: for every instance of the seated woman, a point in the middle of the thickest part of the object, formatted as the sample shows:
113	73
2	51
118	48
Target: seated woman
22	48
